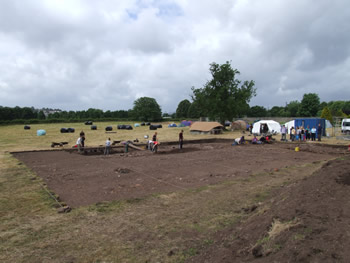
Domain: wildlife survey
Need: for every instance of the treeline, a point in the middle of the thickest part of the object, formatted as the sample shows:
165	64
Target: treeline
309	106
18	115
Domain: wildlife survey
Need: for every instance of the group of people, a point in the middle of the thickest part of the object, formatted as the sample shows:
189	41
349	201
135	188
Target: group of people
300	133
152	145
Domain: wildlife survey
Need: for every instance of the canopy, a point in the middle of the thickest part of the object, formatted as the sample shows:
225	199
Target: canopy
205	126
186	123
238	125
273	127
172	125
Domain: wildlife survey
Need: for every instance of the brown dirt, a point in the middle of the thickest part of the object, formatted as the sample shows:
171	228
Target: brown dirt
303	218
83	180
315	212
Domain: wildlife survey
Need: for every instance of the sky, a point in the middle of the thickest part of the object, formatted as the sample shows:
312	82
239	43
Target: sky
80	54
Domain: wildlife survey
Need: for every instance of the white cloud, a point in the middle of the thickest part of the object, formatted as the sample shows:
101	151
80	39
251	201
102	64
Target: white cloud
105	54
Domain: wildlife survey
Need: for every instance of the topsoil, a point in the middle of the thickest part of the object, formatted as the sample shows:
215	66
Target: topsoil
307	221
87	179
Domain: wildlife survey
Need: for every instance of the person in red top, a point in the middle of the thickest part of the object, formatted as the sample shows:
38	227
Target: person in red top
181	138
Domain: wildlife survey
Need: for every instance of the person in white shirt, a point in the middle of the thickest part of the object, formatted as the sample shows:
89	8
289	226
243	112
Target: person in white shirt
108	146
313	133
79	144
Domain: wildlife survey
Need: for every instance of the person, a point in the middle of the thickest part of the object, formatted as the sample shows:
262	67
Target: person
254	140
292	133
265	128
313	133
181	138
302	134
251	128
79	144
154	145
82	136
108	146
283	132
154	138
307	133
298	133
319	132
239	140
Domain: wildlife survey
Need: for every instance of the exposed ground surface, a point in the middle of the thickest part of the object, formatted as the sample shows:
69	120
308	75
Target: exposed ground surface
209	203
83	180
308	221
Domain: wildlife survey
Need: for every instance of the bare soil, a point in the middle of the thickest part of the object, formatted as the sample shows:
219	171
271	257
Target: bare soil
312	211
82	180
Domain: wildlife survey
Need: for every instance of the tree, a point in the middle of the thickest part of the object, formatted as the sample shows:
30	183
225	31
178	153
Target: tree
326	114
146	109
257	111
309	105
292	108
194	111
41	115
182	109
223	96
277	111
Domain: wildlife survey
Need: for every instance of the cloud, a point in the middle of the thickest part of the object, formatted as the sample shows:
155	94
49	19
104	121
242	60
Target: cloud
104	54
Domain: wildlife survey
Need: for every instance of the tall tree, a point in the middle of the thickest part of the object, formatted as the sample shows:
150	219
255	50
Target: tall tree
182	109
277	111
257	111
326	114
146	109
292	108
223	96
194	111
309	105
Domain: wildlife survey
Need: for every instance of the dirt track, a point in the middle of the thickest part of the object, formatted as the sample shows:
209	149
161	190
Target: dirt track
83	180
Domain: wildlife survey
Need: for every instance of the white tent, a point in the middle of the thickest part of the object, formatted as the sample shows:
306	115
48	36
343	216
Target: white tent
289	125
274	126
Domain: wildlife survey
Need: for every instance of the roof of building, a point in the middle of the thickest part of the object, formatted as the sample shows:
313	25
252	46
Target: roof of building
205	126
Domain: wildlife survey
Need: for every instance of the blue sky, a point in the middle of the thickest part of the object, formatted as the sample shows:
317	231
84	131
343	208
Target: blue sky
75	54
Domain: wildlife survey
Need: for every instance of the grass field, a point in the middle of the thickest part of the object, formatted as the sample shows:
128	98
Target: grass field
159	228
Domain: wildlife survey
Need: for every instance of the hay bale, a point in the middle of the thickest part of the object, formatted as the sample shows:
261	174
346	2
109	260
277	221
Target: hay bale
153	127
109	128
64	130
88	123
93	127
148	123
72	130
143	124
128	127
27	127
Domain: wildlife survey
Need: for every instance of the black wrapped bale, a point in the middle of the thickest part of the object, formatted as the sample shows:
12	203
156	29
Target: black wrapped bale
64	130
159	126
93	127
143	124
88	123
109	128
128	127
27	127
152	127
72	130
148	123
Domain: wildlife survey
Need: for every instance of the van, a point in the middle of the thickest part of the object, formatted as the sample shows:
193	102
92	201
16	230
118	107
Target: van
345	126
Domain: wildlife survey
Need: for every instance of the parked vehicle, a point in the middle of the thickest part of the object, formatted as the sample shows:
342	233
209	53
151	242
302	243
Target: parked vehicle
345	126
